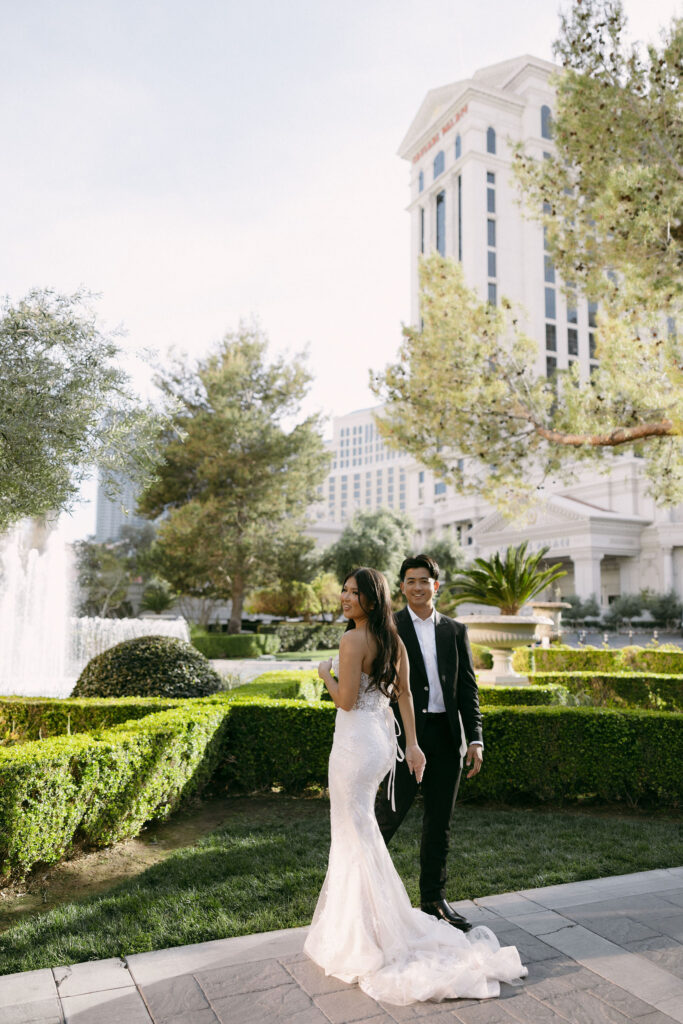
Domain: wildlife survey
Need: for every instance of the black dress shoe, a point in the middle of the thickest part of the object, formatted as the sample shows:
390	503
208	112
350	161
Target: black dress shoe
442	909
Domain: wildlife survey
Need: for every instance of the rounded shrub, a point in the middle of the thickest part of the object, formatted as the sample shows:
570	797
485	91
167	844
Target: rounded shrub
148	666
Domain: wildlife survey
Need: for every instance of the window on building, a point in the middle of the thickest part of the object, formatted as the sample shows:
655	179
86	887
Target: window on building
458	147
592	314
572	313
422	229
439	488
550	313
551	337
490	140
491	232
441	223
550	366
490	200
549	269
572	341
491	263
546	123
439	163
592	346
421	181
493	293
490	178
421	476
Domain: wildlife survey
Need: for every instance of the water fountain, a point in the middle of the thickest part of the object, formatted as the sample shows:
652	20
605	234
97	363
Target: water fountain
43	647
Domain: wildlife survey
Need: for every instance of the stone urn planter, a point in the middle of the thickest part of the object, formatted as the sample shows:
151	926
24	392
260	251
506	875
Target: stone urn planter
502	634
553	611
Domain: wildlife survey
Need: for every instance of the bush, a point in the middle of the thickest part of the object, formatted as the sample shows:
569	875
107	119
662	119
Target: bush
526	696
481	657
667	659
286	685
309	636
664	660
148	666
37	718
235	645
602	689
532	753
99	788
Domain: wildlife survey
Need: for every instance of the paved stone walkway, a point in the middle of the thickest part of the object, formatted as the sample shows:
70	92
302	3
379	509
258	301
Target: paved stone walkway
608	951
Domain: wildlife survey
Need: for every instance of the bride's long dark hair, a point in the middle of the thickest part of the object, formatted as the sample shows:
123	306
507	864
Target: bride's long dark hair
374	598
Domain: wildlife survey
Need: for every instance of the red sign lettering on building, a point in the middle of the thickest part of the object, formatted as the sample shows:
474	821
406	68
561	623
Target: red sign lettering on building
445	128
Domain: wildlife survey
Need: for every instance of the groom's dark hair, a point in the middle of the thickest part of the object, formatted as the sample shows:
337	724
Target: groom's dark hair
420	562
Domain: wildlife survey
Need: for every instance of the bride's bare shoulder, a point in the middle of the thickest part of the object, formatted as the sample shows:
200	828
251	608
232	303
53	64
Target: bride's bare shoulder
351	641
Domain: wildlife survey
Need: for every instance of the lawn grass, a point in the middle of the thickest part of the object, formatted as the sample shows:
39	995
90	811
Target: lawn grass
263	869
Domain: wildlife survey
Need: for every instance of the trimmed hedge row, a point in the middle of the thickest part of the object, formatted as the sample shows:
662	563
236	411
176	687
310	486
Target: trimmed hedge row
34	718
524	696
602	689
235	645
303	684
542	753
306	685
662	661
101	787
309	636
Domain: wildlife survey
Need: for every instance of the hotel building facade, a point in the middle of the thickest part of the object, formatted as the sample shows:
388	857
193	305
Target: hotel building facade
605	529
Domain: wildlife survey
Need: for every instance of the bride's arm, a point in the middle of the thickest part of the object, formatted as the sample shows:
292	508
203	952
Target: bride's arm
344	690
414	757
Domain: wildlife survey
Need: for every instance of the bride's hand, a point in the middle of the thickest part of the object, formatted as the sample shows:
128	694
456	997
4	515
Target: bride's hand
416	761
325	668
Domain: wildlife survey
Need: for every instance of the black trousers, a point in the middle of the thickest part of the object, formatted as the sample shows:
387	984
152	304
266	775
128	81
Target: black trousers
439	790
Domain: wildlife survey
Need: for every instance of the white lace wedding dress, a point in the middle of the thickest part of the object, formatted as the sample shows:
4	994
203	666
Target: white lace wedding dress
364	928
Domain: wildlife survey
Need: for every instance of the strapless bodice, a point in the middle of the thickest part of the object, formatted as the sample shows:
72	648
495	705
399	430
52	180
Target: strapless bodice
370	698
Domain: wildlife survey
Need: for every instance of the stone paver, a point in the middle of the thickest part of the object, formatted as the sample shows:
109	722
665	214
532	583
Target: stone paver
606	951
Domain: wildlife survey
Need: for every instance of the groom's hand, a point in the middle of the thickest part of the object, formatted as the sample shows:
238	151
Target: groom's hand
475	757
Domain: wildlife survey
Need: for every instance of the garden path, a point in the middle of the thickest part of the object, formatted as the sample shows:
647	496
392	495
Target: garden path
607	951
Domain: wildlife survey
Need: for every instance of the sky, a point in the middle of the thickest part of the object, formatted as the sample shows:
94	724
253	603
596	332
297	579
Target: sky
195	164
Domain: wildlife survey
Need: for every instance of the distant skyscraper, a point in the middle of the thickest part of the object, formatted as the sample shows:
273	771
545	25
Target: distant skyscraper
114	513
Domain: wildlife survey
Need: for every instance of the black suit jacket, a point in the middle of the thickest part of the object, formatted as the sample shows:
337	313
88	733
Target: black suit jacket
456	672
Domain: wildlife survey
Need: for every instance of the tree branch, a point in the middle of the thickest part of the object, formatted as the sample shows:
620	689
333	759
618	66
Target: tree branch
620	435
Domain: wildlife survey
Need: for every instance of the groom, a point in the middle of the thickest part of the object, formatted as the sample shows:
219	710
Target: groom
445	695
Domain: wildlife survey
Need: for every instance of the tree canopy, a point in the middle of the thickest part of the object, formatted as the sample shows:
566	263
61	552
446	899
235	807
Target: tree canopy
465	396
236	479
380	539
66	405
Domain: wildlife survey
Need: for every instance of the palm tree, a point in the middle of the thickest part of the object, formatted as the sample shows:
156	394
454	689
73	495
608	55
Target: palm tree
506	583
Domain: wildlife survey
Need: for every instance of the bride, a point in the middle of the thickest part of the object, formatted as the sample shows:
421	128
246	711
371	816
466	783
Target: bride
364	928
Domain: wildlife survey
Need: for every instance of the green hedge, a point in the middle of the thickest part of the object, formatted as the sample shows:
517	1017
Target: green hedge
532	753
148	666
235	645
34	718
481	657
602	689
297	684
665	660
309	636
526	696
101	787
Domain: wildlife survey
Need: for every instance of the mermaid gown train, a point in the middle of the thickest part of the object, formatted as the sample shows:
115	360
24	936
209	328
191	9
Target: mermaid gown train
364	928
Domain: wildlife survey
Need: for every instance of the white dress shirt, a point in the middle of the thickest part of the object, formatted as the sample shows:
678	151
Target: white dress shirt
426	637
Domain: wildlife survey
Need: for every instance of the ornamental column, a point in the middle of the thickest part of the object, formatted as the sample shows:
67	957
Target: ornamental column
587	577
667	563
